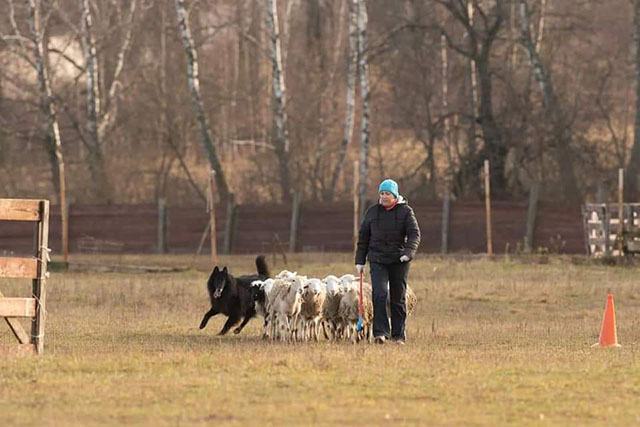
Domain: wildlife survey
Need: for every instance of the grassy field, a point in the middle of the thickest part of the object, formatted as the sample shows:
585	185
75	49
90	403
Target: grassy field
492	342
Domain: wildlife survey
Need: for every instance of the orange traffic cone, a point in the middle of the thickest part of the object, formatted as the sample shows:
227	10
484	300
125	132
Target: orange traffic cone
608	335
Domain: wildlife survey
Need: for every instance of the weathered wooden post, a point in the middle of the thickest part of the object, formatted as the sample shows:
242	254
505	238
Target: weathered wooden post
356	204
211	206
229	225
295	222
487	201
446	209
532	211
65	230
162	226
620	210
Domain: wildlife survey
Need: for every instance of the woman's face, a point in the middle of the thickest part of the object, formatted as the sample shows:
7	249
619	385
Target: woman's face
386	198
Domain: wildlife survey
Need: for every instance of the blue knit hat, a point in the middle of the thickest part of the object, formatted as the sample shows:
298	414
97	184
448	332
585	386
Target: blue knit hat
389	185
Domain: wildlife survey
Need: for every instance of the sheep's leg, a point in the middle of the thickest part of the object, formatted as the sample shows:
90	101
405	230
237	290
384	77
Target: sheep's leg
301	329
265	326
293	328
208	315
324	329
275	325
284	328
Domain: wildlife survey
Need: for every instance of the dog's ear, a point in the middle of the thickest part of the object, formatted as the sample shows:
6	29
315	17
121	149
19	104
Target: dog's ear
224	270
216	269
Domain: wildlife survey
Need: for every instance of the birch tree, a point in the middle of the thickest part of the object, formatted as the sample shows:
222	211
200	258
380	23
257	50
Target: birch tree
34	50
193	79
554	113
352	68
281	137
101	108
363	69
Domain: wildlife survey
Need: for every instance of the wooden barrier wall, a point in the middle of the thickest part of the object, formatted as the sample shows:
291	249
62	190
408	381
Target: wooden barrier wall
321	227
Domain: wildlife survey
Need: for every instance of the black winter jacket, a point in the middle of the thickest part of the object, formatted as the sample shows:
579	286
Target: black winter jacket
387	235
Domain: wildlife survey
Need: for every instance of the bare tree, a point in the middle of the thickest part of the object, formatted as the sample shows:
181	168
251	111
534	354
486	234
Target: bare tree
555	114
281	138
481	39
101	105
352	64
193	78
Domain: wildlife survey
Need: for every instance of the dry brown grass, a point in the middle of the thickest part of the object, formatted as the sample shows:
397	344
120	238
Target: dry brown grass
491	342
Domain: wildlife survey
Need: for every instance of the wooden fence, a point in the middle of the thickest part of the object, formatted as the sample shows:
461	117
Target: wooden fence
319	227
35	213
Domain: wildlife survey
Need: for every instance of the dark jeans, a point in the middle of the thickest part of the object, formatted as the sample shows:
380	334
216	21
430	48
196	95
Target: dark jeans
389	283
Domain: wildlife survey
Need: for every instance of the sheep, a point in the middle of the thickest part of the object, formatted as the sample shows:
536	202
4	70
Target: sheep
330	315
313	298
261	293
410	300
348	312
286	306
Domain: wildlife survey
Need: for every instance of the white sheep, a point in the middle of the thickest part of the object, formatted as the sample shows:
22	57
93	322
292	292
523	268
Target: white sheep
286	307
313	298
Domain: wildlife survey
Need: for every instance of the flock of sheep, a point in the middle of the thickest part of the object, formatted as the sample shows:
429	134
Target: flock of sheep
296	308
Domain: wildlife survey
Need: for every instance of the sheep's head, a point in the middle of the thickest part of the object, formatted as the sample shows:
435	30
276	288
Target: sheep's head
298	283
348	278
331	279
333	288
286	274
268	285
346	286
256	291
315	286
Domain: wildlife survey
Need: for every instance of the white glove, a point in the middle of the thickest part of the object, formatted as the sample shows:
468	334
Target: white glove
360	268
404	258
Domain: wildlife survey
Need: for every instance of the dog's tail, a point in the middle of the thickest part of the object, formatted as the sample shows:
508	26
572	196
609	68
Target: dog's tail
261	265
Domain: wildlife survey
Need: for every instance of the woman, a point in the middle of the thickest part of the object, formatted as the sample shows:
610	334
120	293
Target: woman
389	237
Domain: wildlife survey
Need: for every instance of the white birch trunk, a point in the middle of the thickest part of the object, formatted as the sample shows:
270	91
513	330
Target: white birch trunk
91	73
352	68
543	8
279	101
193	78
363	68
100	119
93	107
110	114
47	104
472	68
